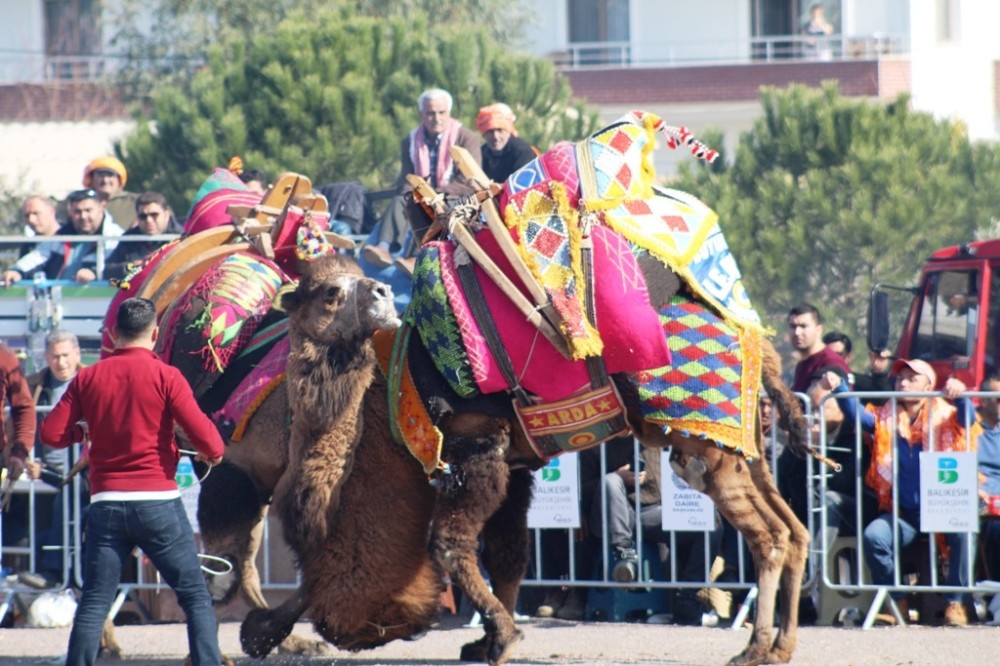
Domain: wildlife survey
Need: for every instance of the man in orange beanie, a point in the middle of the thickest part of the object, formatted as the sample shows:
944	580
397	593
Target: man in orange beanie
503	151
107	175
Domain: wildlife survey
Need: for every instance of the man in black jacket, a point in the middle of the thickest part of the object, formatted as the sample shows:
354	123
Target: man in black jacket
504	152
153	218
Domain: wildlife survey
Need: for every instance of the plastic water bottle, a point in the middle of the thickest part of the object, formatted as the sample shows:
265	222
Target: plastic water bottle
185	476
55	297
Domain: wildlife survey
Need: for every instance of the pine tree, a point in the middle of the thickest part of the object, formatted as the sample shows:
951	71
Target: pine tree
331	95
827	196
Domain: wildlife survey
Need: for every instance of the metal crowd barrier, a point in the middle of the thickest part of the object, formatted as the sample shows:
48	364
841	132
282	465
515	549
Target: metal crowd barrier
667	578
832	568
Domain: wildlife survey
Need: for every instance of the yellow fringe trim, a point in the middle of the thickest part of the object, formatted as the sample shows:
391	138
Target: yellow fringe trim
539	206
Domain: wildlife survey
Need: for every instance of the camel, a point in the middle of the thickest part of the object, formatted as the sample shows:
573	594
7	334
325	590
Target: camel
362	585
372	604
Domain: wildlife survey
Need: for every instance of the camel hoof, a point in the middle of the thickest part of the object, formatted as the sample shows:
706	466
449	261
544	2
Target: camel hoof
226	661
474	651
749	658
778	657
500	650
304	647
258	635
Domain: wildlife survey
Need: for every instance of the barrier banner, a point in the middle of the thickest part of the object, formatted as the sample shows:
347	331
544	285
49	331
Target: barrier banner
684	509
949	501
556	502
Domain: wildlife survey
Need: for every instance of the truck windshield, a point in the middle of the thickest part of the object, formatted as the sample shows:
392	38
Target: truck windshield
949	314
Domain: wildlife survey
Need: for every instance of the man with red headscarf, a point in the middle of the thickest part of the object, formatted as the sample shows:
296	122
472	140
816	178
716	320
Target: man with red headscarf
504	152
107	175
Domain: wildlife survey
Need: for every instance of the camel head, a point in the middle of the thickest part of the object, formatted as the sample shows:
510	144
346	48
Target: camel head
334	302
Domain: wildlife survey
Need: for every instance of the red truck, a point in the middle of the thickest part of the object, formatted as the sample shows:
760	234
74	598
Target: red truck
953	321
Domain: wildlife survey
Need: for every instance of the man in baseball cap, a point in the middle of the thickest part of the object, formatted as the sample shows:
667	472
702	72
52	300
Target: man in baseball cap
107	175
918	368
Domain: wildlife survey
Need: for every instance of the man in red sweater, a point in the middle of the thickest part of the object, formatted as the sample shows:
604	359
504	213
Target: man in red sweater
805	332
130	403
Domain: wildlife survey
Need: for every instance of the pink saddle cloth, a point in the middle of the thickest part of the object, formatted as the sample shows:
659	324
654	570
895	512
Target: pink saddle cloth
628	325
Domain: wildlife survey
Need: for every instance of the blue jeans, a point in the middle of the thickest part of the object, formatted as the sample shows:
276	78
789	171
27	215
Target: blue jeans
878	544
161	529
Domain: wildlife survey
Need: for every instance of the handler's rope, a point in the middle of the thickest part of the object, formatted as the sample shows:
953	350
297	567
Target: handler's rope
194	454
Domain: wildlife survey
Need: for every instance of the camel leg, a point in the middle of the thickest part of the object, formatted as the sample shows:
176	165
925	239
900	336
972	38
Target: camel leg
741	492
792	571
109	643
505	539
476	490
768	536
263	629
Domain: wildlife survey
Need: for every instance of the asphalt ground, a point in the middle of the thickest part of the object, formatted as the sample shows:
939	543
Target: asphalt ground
554	642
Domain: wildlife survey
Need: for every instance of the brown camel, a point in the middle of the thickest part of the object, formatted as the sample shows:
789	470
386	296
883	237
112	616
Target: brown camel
490	456
370	604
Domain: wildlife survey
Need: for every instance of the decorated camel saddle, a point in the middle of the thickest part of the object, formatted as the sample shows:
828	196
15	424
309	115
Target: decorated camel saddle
591	271
213	289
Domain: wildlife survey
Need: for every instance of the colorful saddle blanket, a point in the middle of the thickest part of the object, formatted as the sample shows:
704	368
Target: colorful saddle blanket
217	315
608	181
611	174
265	376
710	387
209	207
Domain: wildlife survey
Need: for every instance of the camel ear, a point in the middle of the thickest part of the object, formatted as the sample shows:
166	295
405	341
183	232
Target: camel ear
287	298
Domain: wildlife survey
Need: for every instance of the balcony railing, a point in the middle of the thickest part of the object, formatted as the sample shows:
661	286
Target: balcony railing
755	49
40	68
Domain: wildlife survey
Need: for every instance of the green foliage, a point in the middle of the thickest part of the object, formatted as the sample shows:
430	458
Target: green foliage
167	41
11	224
827	196
331	95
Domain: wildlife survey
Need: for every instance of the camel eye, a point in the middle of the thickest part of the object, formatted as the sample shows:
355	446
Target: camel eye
331	293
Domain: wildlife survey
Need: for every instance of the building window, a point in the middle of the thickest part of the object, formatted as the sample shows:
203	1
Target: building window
73	39
594	21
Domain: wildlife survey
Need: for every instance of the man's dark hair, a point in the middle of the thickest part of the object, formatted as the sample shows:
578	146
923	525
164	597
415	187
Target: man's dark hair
135	317
991	376
806	308
147	198
837	336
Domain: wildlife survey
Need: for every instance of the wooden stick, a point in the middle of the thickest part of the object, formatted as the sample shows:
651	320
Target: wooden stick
466	240
471	170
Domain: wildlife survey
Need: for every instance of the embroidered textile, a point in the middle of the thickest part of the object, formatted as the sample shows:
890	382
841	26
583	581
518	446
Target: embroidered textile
408	419
255	388
710	387
550	241
432	316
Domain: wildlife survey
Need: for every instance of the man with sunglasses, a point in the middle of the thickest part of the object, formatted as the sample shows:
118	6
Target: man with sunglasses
153	217
75	260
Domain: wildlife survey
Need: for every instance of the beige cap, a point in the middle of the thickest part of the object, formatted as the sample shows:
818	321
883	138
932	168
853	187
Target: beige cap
920	367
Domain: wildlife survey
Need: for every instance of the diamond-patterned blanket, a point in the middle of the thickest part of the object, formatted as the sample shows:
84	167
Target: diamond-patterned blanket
711	384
